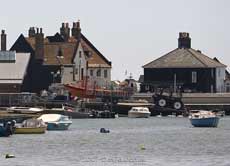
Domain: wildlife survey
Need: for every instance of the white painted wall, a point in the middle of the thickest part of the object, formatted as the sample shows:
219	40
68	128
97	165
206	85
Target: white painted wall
220	77
80	62
101	80
67	75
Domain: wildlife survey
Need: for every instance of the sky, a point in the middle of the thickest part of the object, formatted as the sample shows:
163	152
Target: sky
129	33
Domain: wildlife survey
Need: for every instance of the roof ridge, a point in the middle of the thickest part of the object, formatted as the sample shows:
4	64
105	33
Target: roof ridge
206	57
96	50
197	57
160	57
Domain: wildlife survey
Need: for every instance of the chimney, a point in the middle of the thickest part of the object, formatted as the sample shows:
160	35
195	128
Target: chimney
39	44
3	41
76	30
65	31
31	32
184	41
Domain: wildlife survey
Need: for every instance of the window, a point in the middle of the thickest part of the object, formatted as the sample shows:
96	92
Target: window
194	77
91	72
76	71
212	73
105	74
79	54
82	73
99	73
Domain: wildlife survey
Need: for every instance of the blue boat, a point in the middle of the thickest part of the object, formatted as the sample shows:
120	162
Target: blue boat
56	121
202	118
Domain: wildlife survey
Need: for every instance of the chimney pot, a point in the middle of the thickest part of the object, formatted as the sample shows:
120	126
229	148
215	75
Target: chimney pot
78	24
39	45
184	41
65	31
74	25
31	32
76	30
3	41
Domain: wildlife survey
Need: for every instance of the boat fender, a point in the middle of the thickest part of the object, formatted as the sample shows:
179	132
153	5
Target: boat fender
103	130
9	156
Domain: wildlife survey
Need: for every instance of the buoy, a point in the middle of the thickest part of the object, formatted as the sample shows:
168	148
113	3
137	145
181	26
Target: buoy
143	147
9	156
103	130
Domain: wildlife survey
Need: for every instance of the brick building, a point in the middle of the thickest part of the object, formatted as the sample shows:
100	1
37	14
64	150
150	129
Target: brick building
61	58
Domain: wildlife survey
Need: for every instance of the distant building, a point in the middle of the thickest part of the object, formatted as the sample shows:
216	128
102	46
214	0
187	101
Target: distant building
186	69
62	58
13	67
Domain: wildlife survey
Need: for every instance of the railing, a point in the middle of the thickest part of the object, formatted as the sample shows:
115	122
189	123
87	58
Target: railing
18	99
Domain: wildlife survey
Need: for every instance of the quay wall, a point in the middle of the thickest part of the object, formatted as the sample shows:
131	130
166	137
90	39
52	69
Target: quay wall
209	101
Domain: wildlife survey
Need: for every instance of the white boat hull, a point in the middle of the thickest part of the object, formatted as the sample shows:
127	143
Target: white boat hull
139	114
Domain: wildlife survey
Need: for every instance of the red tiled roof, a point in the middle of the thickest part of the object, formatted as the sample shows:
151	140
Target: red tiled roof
59	53
67	49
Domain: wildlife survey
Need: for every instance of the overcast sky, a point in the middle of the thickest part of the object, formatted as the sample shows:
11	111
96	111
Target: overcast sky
130	33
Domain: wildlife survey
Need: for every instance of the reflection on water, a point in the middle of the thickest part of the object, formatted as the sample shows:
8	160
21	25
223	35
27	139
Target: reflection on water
153	141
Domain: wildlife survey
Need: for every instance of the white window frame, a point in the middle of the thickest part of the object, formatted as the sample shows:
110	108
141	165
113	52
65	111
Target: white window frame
194	77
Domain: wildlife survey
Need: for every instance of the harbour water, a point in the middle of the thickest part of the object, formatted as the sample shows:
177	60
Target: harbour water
131	142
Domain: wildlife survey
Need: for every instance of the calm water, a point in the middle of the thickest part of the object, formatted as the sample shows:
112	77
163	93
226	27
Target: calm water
154	141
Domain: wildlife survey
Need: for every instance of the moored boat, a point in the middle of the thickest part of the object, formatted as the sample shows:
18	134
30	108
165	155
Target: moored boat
6	129
139	112
25	110
31	126
56	121
203	118
30	130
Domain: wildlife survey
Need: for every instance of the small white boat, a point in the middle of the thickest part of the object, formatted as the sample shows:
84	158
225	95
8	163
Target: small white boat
56	121
25	110
139	112
203	118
